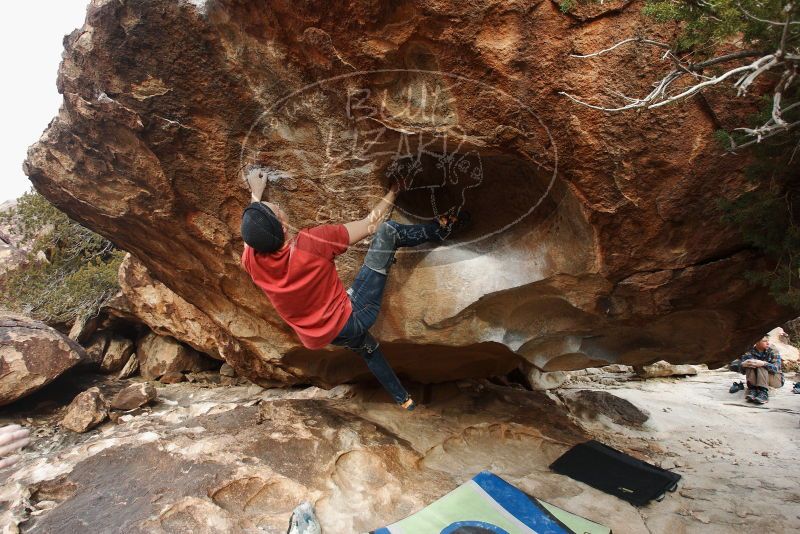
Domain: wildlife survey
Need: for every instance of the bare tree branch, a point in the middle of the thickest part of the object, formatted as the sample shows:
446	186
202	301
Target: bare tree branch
727	57
771	133
625	41
786	61
786	78
758	67
750	15
658	97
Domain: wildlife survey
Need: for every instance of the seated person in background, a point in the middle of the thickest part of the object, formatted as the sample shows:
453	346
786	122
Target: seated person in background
761	365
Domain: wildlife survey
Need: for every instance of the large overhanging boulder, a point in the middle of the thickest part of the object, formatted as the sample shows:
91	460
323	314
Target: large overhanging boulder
596	236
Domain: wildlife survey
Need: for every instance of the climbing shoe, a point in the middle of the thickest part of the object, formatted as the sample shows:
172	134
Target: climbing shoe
736	386
452	222
796	388
409	405
750	395
762	397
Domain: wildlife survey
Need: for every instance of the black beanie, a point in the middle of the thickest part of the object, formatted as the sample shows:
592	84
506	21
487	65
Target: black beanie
261	229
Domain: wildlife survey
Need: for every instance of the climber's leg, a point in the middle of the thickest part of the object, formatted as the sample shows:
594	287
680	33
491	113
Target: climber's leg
360	341
366	293
371	353
392	235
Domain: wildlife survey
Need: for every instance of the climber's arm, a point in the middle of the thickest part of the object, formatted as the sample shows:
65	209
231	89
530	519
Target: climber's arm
358	230
257	181
773	364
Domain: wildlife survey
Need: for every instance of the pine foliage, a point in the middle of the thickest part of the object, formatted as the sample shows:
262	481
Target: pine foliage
69	271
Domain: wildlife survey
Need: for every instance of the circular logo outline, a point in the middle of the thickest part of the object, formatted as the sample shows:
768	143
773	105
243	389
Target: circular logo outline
444	245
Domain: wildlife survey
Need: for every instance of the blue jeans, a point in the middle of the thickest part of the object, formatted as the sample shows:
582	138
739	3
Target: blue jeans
366	295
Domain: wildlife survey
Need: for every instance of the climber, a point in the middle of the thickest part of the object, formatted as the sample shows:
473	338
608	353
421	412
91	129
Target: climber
762	367
298	275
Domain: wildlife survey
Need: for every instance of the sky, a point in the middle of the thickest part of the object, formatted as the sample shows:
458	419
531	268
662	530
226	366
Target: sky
31	35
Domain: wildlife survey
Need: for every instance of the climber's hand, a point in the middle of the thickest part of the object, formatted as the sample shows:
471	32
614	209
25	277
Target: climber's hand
399	184
12	438
257	181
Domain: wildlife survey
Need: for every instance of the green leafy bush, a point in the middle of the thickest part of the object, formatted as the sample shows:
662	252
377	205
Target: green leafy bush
566	5
69	271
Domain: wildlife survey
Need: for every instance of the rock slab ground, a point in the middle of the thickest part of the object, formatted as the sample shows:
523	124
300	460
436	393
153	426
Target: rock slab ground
239	459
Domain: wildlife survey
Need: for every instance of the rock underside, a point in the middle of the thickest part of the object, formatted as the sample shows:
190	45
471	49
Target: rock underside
595	241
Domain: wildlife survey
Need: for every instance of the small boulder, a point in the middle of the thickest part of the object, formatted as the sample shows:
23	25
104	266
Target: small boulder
32	355
83	327
662	369
589	404
161	354
96	348
87	410
130	368
779	341
617	368
117	354
119	307
227	370
541	380
173	377
134	396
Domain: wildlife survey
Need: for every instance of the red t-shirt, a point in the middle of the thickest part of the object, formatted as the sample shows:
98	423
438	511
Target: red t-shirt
302	283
